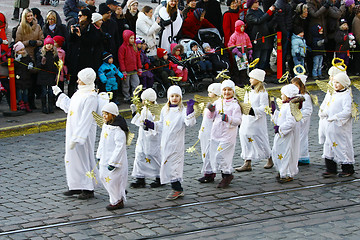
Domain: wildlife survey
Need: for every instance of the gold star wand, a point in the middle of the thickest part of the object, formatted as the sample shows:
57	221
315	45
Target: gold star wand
59	65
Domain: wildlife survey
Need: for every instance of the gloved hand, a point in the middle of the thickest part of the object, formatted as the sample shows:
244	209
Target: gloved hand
124	74
32	43
250	52
298	56
111	167
146	66
251	112
180	67
56	90
72	145
190	107
43	60
237	52
139	72
18	57
30	66
210	107
273	107
276	128
149	124
320	43
225	117
133	108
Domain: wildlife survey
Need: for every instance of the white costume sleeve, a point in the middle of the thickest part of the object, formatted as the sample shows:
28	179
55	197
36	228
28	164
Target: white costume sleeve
289	123
307	108
63	102
264	101
236	117
100	147
136	120
342	117
190	120
118	153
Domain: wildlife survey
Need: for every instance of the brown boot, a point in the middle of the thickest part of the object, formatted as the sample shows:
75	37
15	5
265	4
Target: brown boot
269	163
226	180
245	167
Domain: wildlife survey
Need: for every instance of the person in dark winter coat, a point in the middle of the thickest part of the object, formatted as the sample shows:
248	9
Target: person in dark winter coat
342	41
318	40
213	13
162	70
300	16
54	26
257	27
218	64
131	14
193	23
17	5
71	8
229	19
86	45
318	11
45	60
119	17
189	8
39	18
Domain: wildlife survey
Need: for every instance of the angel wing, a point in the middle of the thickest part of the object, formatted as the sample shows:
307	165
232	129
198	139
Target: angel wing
223	75
275	93
155	109
129	137
240	93
203	99
324	86
314	99
357	85
279	102
295	111
245	107
199	108
354	111
98	119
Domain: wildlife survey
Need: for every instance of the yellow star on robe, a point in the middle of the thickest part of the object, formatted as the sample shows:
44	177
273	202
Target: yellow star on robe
219	148
107	179
167	123
203	154
148	160
280	156
334	144
202	129
71	113
250	139
106	135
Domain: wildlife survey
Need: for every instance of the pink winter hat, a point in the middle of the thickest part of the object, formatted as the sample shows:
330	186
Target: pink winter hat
49	40
18	46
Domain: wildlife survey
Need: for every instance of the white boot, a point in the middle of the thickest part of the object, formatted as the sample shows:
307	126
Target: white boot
245	167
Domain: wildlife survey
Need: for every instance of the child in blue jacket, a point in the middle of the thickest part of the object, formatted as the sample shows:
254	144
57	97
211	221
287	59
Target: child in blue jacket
298	48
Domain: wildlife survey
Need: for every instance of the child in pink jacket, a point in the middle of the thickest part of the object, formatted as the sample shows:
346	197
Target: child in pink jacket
240	40
130	64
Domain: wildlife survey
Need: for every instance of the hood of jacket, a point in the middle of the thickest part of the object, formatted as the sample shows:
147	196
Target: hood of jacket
126	35
58	19
238	25
175	46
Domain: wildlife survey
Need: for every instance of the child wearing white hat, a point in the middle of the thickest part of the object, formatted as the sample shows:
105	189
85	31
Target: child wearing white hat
226	116
338	145
173	119
253	131
214	91
285	151
306	110
147	152
113	165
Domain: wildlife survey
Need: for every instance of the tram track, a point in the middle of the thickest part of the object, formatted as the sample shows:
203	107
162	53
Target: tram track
193	204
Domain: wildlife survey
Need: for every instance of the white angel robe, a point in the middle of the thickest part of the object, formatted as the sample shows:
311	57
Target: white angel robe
147	151
306	111
172	126
204	137
285	151
253	131
112	151
223	134
80	128
322	120
338	144
171	30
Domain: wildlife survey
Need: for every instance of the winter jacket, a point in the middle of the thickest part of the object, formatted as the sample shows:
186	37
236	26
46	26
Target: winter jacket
129	58
23	78
217	62
121	26
316	14
112	39
347	14
213	13
332	21
191	26
187	11
342	40
147	28
257	27
229	19
170	25
317	42
107	73
145	62
70	6
239	38
35	34
48	73
131	20
298	45
21	3
60	28
356	29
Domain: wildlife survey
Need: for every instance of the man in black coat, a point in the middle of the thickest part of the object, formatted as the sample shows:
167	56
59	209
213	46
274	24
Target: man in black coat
213	13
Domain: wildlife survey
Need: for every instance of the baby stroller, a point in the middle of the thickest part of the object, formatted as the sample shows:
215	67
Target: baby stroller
211	36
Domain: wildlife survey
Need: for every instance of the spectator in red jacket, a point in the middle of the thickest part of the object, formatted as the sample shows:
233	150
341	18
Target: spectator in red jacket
194	22
230	17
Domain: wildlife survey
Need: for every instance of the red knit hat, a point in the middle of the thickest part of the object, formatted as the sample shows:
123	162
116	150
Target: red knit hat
161	52
59	40
48	40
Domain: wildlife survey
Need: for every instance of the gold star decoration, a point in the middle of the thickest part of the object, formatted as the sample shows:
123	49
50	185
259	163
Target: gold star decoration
279	114
219	148
203	155
335	144
71	113
267	110
66	161
148	160
167	123
280	156
107	179
91	174
106	135
250	139
190	149
202	129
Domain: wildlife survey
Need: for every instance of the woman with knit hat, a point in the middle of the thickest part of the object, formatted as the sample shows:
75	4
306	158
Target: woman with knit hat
80	134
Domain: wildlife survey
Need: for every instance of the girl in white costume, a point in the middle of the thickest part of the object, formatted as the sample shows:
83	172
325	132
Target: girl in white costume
214	91
173	119
253	131
147	152
306	110
113	165
325	104
226	114
338	146
80	134
285	152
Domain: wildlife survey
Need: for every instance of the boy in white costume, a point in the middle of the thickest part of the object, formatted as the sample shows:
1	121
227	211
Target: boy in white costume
306	110
173	119
214	91
285	152
253	133
226	114
325	104
80	134
113	165
338	146
147	152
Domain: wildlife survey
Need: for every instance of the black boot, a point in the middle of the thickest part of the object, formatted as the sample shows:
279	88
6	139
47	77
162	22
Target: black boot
347	170
156	183
32	101
86	194
207	178
50	104
44	107
140	183
331	168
